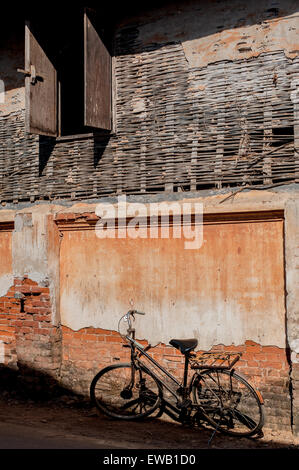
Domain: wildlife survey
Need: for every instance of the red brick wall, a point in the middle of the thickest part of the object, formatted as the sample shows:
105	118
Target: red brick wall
88	350
9	315
30	340
267	369
26	328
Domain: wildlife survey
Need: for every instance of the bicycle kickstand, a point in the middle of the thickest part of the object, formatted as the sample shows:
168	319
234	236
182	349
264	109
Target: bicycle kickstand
212	436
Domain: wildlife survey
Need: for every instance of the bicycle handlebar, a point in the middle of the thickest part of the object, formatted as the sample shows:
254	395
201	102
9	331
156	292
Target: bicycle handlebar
136	311
128	316
132	312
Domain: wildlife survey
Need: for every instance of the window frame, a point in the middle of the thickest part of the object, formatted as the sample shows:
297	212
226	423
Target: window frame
55	106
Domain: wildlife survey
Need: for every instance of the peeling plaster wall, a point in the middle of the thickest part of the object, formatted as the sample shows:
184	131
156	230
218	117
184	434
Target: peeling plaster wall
30	247
6	276
292	275
228	291
215	31
35	253
229	294
292	299
232	289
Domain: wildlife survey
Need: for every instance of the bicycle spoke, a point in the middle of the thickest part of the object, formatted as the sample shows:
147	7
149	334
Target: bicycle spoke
127	405
121	394
244	419
228	402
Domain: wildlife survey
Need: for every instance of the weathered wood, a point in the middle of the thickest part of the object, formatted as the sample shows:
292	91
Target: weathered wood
268	137
40	89
97	78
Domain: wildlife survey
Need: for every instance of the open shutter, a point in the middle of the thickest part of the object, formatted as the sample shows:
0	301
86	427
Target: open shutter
97	77
40	88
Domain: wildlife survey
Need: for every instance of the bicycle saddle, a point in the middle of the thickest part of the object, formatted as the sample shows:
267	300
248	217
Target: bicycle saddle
184	345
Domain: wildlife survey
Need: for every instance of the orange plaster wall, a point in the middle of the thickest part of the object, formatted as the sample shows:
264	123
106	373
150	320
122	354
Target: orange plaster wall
5	253
228	291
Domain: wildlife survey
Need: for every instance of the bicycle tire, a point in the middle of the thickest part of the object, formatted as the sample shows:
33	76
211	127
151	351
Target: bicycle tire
228	402
112	392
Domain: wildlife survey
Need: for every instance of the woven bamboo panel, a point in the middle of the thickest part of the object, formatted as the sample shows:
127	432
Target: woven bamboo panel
227	124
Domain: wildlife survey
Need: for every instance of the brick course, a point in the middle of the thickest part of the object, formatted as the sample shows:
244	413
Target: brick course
266	367
30	340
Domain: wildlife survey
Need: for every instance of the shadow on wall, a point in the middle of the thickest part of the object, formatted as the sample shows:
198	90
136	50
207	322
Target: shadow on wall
198	19
209	18
71	151
46	147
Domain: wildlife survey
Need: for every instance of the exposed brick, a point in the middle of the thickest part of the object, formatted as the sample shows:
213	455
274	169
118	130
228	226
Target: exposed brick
90	349
31	337
27	332
29	282
42	318
114	339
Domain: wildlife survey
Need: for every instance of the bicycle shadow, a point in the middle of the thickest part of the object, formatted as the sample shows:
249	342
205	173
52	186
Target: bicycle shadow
43	398
163	433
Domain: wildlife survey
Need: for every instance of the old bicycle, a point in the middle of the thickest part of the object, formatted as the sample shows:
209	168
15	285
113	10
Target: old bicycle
215	394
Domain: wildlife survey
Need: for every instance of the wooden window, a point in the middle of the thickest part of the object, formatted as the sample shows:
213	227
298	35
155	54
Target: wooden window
68	69
40	87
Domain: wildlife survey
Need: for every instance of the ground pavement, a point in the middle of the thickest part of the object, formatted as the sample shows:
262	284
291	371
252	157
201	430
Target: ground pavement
71	423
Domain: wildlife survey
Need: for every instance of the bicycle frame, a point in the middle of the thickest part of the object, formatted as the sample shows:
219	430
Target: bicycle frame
183	388
215	394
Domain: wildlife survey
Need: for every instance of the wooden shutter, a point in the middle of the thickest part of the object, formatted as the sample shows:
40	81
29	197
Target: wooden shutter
41	94
97	77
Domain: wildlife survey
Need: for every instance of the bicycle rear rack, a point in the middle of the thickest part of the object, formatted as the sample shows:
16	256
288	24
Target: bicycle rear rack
214	360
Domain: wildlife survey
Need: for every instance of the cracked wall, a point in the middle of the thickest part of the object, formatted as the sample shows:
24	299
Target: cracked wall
63	323
203	92
240	264
216	31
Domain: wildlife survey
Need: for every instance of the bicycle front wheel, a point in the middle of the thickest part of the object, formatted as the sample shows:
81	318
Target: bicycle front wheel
125	393
228	402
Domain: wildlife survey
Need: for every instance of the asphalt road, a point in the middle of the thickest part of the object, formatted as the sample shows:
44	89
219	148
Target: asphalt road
25	424
16	436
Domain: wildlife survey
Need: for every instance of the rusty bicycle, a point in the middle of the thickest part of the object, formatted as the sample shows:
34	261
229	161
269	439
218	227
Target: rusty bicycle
214	395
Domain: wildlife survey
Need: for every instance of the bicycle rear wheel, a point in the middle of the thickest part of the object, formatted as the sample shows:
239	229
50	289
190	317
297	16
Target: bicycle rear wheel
228	402
125	393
